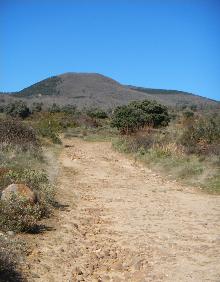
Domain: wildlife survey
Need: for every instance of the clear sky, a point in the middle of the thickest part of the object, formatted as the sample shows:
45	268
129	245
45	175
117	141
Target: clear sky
171	44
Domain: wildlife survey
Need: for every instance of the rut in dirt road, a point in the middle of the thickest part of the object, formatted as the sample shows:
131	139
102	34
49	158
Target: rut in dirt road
125	223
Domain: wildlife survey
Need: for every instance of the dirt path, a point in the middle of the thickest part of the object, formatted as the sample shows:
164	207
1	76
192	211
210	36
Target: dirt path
125	223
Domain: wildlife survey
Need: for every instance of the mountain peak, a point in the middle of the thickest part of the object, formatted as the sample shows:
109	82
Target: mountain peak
97	90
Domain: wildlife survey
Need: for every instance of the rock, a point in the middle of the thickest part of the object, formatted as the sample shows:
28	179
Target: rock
35	275
106	278
118	266
19	190
10	233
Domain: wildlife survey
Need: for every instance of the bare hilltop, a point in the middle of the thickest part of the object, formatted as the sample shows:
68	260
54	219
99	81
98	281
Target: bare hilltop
96	90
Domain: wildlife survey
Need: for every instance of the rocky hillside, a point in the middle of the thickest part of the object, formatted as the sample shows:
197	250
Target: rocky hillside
95	90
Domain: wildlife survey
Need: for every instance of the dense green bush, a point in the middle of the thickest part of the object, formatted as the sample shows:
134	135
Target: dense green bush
127	119
17	109
154	113
138	114
97	113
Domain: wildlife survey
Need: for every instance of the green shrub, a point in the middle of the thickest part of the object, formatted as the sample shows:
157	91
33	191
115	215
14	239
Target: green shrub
17	109
37	181
138	114
97	113
32	178
49	125
154	113
127	119
18	214
48	128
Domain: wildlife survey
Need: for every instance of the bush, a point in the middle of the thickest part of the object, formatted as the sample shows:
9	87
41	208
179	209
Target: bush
127	119
18	214
69	109
17	109
48	128
31	178
11	251
49	125
97	113
37	107
16	133
202	136
37	181
138	114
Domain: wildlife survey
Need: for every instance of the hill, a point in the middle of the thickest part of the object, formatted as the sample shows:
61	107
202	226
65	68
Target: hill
177	98
95	90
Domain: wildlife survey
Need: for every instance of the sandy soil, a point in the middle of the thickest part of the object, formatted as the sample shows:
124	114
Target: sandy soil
122	222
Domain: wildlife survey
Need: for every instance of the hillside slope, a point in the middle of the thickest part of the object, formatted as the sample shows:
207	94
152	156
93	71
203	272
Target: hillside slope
176	98
95	90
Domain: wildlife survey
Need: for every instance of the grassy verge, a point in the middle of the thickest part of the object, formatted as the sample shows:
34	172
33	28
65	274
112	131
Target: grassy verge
101	133
24	161
189	169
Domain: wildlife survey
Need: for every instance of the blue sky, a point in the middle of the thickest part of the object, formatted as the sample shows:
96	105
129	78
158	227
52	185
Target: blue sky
171	44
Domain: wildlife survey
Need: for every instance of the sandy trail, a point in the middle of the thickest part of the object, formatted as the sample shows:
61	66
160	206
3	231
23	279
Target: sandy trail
125	223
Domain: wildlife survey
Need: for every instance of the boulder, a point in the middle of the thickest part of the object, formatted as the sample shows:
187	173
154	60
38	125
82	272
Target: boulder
19	190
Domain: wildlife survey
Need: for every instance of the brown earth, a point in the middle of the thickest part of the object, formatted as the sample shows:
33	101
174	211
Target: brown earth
122	222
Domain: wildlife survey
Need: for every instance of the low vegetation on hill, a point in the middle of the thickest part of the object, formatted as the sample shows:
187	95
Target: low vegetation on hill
45	87
178	99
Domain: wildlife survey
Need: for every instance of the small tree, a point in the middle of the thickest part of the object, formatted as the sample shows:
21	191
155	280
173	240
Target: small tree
138	114
127	119
17	109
